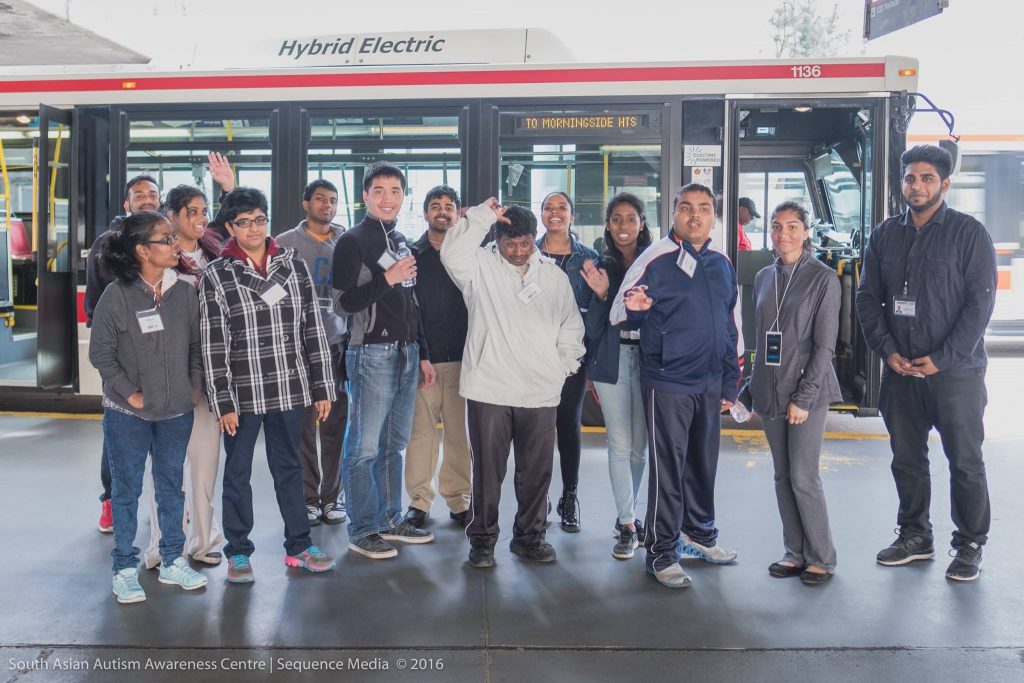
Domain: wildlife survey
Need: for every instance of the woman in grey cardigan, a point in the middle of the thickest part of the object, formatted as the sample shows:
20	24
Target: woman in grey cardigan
791	386
145	330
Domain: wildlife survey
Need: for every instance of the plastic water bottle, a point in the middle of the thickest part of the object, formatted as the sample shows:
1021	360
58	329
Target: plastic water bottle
403	251
739	412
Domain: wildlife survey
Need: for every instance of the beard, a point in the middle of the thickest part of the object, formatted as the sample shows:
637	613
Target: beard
928	205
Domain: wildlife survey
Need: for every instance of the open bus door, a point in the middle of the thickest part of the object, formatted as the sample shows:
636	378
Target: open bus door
56	213
829	156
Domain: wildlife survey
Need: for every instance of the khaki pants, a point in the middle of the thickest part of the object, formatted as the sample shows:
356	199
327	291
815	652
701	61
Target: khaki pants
440	402
202	530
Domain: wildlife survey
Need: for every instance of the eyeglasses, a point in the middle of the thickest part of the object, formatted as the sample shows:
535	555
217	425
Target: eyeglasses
166	241
245	223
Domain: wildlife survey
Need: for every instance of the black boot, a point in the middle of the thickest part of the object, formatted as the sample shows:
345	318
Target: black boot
568	510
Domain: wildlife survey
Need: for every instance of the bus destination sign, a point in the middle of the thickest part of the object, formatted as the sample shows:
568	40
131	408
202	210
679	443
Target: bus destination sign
576	122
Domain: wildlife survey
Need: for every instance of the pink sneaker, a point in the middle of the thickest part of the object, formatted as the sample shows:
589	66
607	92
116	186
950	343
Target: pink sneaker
106	518
312	558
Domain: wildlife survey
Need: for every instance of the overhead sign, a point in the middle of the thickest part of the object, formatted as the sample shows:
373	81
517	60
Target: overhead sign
885	16
498	46
553	123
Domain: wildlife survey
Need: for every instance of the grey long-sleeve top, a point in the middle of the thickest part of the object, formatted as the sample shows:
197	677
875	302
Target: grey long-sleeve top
809	322
166	365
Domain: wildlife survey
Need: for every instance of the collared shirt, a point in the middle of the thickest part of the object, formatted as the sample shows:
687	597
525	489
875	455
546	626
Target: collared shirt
263	357
948	269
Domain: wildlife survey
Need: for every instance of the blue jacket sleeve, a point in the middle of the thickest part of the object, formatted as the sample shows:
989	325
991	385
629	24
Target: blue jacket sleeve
730	362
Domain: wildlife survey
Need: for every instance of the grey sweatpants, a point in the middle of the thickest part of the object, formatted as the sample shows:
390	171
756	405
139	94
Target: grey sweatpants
796	452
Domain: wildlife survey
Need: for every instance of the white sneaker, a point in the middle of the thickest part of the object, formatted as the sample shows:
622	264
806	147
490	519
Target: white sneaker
127	588
671	576
335	513
715	554
313	514
178	573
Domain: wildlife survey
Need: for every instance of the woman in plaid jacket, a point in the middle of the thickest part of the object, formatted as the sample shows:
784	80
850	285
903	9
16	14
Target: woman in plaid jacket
266	357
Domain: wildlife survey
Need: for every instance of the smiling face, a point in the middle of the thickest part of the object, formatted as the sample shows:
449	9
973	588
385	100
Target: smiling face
922	186
556	213
142	196
694	217
441	214
624	225
190	223
789	234
321	207
384	198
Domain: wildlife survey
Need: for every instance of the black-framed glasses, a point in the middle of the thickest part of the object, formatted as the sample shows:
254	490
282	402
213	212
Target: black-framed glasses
244	223
166	241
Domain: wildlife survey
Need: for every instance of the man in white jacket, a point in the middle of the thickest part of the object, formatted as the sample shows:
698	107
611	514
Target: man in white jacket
525	337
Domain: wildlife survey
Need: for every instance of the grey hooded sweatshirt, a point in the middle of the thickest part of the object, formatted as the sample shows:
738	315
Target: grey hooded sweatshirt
155	363
319	258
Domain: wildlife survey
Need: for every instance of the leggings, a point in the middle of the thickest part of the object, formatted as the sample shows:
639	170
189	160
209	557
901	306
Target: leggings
567	425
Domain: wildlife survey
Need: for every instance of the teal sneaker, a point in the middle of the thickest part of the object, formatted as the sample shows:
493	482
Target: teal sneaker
178	573
239	569
312	558
126	586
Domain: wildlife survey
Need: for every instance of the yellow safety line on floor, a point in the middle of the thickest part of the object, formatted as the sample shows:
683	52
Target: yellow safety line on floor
53	416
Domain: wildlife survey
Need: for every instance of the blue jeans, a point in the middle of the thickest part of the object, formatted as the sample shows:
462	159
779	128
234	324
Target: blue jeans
382	397
129	440
622	405
281	431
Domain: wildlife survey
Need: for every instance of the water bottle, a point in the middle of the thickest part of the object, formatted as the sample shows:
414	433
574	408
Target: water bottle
739	412
403	251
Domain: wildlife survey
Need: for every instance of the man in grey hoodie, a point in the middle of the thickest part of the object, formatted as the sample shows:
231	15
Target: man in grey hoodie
314	239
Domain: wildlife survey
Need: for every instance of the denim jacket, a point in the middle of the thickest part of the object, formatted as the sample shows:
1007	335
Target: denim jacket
580	289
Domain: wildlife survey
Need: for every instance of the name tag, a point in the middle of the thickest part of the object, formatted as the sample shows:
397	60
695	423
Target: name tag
529	292
150	321
904	307
272	294
773	348
686	263
386	260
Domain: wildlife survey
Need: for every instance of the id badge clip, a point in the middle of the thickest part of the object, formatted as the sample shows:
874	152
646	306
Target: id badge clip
773	348
150	321
904	306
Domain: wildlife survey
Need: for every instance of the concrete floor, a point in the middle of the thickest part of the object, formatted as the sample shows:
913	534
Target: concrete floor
587	617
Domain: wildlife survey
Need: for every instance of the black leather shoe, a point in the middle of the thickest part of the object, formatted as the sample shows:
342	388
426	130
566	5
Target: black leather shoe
815	578
416	517
461	518
481	556
784	571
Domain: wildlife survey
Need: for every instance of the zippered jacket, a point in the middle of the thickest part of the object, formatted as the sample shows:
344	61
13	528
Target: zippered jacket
688	338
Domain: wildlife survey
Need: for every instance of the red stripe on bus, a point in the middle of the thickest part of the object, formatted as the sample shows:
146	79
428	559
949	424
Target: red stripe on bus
504	77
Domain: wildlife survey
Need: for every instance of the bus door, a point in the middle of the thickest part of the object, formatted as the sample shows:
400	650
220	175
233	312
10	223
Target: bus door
56	214
822	155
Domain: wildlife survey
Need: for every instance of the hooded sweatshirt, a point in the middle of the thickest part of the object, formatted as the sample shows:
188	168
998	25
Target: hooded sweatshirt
319	258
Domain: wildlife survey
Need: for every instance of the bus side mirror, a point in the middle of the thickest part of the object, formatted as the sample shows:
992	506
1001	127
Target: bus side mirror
954	151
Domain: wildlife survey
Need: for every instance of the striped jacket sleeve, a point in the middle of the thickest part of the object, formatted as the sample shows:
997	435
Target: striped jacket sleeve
314	339
215	334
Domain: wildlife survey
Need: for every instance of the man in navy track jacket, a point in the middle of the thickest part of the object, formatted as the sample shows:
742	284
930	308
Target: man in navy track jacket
681	295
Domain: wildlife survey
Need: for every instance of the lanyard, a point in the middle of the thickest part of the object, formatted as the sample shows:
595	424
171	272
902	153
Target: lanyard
779	300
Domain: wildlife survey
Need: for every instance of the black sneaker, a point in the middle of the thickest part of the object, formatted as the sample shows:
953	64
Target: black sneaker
905	550
461	518
405	532
481	556
373	546
540	551
568	510
416	517
628	542
966	565
637	524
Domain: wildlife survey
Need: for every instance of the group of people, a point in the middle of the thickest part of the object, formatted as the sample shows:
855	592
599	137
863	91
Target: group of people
205	333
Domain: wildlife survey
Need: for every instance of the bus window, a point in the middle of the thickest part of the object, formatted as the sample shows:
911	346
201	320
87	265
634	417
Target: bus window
768	189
